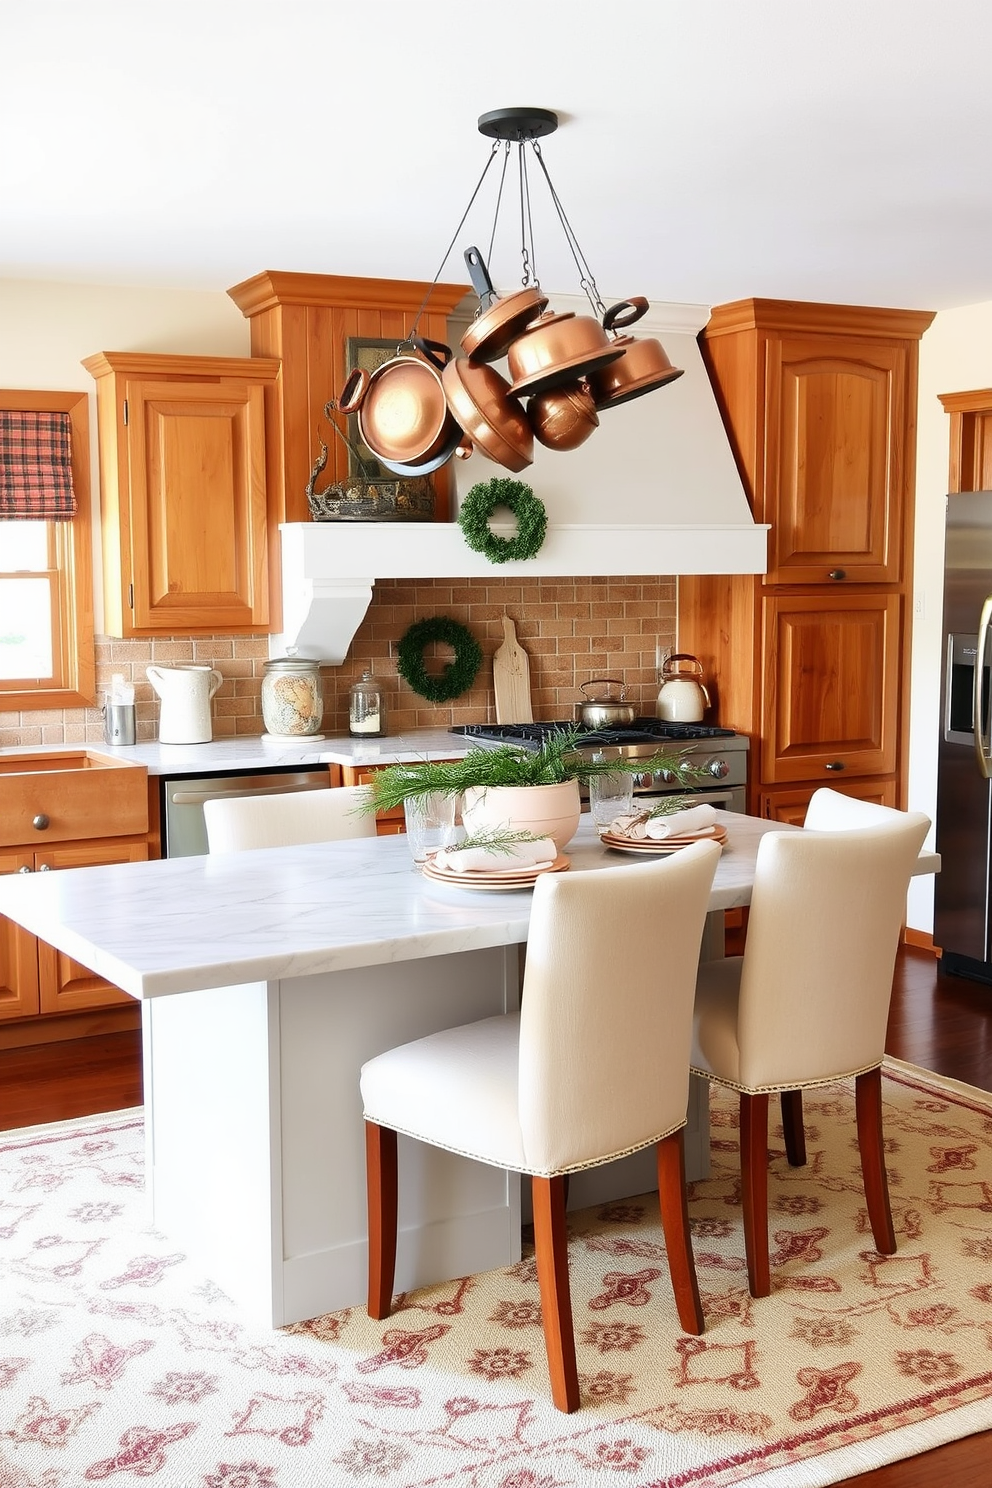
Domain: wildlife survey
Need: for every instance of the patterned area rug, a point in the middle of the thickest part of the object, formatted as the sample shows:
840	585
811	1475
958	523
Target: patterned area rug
119	1362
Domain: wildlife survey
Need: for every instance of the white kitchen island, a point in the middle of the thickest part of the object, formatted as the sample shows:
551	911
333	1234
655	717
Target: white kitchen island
267	978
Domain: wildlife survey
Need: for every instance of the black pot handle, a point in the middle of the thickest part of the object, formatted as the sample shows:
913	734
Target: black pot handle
435	351
625	313
479	273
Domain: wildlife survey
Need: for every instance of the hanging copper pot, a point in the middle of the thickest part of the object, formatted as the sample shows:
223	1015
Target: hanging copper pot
558	348
499	319
494	420
563	417
403	415
643	367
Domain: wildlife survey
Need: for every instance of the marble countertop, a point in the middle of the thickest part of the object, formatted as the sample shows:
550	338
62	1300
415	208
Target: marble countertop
257	753
182	924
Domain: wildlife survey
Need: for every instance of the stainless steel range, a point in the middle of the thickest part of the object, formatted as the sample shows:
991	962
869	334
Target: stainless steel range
720	753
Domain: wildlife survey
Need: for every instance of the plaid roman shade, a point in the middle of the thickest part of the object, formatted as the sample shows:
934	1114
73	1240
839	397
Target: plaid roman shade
35	466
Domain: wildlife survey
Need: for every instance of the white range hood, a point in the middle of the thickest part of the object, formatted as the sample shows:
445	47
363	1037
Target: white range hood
654	491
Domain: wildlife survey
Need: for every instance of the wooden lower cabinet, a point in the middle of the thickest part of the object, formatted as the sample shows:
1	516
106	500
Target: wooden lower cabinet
387	823
789	806
35	979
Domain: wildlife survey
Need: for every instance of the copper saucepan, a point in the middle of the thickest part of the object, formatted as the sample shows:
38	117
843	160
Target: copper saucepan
558	348
563	417
499	319
403	415
494	420
644	365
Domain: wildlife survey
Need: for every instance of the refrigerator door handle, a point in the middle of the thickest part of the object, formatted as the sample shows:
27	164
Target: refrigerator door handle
983	744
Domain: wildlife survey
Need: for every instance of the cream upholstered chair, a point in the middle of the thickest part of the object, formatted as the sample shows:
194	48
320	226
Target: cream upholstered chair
594	1066
235	823
808	1001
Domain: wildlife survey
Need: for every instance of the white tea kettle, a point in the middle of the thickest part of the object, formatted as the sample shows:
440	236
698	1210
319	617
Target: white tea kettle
185	691
682	698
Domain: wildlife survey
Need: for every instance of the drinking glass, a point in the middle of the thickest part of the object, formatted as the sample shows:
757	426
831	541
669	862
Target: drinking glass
430	823
610	796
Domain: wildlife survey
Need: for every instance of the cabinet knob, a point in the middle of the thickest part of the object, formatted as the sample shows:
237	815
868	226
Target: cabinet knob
25	869
835	765
837	573
45	868
40	822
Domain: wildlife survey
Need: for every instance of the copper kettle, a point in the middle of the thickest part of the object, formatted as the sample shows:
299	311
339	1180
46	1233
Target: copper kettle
682	697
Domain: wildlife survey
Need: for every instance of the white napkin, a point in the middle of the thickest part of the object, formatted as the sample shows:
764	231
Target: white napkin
678	824
540	853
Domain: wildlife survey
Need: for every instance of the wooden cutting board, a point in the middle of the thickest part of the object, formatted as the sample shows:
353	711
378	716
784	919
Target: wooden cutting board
511	678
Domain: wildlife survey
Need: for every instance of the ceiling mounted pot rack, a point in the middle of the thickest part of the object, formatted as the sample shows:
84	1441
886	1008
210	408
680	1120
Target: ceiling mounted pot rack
445	405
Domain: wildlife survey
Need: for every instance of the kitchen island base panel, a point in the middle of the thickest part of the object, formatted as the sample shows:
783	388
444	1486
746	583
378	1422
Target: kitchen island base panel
255	1137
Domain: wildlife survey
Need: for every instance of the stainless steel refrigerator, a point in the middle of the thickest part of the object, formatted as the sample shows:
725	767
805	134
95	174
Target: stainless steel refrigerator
962	911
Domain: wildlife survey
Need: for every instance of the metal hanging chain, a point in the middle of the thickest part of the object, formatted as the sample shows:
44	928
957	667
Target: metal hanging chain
447	255
586	279
499	198
527	253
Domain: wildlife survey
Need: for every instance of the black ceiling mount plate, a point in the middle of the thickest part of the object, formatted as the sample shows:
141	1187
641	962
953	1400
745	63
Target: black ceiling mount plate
518	123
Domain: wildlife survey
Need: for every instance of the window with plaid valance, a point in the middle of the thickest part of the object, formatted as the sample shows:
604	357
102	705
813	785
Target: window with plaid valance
36	466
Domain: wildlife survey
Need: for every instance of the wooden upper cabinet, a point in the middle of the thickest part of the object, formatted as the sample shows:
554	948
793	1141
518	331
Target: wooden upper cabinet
819	401
971	440
183	491
831	686
835	457
308	321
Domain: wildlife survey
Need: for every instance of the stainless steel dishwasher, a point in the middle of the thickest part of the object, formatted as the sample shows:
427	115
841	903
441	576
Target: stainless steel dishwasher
184	833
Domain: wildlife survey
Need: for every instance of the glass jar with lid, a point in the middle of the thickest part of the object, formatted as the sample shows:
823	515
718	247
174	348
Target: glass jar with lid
292	698
366	707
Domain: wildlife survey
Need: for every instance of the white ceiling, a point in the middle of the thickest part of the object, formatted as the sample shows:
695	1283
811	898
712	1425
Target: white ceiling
831	150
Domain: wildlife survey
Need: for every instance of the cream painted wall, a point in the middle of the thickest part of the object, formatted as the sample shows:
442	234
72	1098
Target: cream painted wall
47	329
955	355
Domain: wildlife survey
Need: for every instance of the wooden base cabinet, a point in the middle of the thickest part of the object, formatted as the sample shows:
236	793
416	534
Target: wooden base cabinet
34	977
811	659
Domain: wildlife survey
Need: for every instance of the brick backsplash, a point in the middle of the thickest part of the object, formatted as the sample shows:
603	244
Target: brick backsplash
573	630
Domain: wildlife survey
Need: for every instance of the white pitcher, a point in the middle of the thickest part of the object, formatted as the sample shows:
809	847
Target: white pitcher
185	691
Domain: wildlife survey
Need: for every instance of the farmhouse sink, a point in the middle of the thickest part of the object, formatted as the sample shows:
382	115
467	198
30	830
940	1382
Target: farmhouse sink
60	795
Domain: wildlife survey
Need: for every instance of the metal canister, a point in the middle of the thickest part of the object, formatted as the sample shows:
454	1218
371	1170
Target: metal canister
292	698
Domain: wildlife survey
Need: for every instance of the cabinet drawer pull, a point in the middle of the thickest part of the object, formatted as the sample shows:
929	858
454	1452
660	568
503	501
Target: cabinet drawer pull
837	573
25	869
40	822
835	765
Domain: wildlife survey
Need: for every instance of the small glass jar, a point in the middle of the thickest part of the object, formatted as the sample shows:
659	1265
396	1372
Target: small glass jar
292	698
366	707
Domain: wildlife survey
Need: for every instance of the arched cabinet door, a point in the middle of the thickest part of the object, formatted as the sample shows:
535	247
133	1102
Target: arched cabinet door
835	456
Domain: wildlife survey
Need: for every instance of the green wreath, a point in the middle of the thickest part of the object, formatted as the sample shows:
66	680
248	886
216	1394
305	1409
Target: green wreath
457	676
478	507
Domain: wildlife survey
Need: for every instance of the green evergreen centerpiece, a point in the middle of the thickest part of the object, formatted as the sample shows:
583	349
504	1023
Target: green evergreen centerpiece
500	785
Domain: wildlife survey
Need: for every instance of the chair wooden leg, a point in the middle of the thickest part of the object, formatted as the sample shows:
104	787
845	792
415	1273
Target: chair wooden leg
675	1223
381	1187
868	1104
793	1128
551	1248
754	1190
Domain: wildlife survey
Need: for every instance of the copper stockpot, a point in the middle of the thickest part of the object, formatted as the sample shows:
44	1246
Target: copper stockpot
494	420
558	348
403	415
644	365
563	417
499	319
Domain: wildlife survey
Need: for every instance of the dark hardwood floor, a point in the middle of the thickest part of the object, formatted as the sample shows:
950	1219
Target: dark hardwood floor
941	1023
